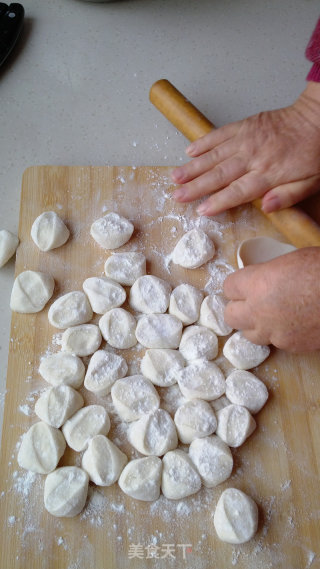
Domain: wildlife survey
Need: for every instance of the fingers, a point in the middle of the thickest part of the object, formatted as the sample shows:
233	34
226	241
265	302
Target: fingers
237	315
289	194
236	285
215	137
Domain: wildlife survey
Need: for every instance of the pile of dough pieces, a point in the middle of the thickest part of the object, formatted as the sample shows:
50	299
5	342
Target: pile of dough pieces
179	329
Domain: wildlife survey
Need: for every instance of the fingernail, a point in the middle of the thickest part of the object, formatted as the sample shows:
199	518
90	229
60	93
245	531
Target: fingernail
270	204
178	194
190	149
202	209
176	175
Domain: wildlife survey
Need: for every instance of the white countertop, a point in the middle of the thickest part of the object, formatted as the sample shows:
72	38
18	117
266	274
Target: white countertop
75	89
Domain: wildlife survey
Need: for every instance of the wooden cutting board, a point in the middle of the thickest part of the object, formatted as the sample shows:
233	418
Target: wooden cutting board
278	466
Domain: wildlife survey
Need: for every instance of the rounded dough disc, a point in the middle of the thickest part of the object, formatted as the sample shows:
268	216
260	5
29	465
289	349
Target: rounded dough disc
103	370
212	314
65	491
84	425
125	268
201	380
58	404
62	369
195	419
179	475
31	291
193	250
103	461
153	434
133	397
112	230
104	294
159	331
185	302
82	340
41	448
236	516
244	388
70	309
162	365
8	245
242	353
213	460
141	478
198	342
48	231
235	425
118	328
149	294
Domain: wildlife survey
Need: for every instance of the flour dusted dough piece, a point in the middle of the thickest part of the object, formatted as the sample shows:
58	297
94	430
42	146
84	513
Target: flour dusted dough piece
236	516
48	231
31	291
62	369
179	476
153	434
84	425
161	366
201	380
133	397
57	404
213	460
41	448
104	294
212	314
149	294
103	370
193	250
261	250
70	309
159	331
118	328
235	425
125	268
195	419
198	342
185	302
65	491
242	353
112	230
103	461
8	246
141	478
82	340
244	388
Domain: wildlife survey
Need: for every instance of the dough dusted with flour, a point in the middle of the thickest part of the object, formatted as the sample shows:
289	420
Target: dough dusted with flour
149	294
141	478
198	342
193	250
41	448
161	366
31	291
8	246
242	353
104	294
125	268
179	475
244	388
195	419
48	231
133	397
82	340
201	380
103	370
65	491
84	425
236	516
103	461
57	404
212	314
70	309
159	331
213	460
62	369
235	425
153	434
118	328
185	302
112	230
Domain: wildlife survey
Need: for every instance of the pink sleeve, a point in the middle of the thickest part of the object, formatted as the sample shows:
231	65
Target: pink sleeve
313	54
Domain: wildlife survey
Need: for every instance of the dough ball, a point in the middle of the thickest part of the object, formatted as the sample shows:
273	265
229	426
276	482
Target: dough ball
159	331
118	328
242	353
150	294
179	476
8	246
57	404
244	388
161	366
103	370
193	250
65	491
213	460
62	369
104	294
153	434
185	302
41	448
103	461
141	478
48	231
212	314
133	397
198	342
235	425
111	231
125	268
70	309
31	291
82	340
84	425
195	419
201	380
236	516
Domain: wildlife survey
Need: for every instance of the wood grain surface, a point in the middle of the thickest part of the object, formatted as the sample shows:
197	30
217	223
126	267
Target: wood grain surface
279	464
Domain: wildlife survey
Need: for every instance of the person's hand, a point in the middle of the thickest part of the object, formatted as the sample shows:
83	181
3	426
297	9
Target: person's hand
278	302
274	155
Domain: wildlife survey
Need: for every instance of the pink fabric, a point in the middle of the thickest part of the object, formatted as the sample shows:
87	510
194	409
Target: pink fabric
313	54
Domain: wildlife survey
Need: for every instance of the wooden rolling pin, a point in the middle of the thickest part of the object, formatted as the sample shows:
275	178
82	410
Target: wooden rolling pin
295	225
